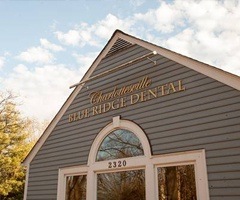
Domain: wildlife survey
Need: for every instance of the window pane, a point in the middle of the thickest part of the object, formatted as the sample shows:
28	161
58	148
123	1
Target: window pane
76	187
120	144
129	185
176	183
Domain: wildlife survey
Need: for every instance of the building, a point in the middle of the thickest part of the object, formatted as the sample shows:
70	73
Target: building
143	123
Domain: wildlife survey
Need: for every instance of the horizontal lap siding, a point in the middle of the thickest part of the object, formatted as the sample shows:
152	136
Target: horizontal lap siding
205	116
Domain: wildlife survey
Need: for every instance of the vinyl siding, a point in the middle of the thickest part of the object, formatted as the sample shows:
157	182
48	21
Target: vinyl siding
205	116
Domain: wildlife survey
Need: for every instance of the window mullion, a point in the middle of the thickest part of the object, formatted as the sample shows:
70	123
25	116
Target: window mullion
150	181
91	185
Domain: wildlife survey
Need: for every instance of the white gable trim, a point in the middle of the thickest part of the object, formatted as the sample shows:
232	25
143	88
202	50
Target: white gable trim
51	126
217	74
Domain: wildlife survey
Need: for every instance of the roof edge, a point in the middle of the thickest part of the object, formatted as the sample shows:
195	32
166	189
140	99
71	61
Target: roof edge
222	76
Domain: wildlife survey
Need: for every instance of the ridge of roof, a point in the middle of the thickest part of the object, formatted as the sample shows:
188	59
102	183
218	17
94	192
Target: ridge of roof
206	69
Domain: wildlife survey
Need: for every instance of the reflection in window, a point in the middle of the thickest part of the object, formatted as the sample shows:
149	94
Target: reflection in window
176	183
76	187
127	185
120	144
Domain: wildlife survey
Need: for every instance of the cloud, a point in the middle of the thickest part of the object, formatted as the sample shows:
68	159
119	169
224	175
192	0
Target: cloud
42	90
105	28
137	3
166	18
6	53
72	37
85	61
201	16
95	34
48	45
193	29
80	35
211	37
2	62
36	55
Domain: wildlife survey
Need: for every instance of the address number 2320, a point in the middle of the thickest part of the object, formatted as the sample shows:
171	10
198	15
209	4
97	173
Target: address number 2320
117	164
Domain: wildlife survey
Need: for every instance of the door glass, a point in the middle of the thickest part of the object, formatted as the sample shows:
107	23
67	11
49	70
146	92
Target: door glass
177	183
120	143
76	187
127	185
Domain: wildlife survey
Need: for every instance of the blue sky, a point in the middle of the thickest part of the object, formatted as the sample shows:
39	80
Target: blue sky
46	46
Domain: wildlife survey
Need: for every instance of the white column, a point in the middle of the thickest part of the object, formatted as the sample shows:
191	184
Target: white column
150	182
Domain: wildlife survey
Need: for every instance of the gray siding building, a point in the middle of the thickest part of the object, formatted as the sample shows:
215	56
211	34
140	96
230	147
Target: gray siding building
143	123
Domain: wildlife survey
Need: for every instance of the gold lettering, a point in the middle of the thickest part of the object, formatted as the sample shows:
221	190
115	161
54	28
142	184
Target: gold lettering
106	107
134	98
86	113
162	88
143	96
80	115
99	97
76	116
95	97
152	93
100	109
94	110
115	104
148	82
123	102
70	118
180	86
171	87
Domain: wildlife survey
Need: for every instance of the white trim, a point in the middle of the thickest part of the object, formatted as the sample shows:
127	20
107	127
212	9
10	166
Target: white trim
63	173
26	183
196	158
118	124
147	162
51	126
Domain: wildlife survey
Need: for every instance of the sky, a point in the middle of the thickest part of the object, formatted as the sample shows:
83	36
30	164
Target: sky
47	46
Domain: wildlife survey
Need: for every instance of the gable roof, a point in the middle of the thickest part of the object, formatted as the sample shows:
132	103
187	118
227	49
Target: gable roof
118	41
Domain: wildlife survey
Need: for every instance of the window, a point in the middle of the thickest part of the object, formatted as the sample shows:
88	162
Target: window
120	143
76	187
129	185
176	182
120	166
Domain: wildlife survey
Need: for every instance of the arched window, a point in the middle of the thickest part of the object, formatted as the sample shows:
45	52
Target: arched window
121	166
119	135
120	143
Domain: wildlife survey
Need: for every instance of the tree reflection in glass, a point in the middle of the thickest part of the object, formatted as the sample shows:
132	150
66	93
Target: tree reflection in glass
177	183
120	144
76	187
127	185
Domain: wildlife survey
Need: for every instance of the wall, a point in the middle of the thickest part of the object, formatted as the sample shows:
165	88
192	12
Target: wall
204	116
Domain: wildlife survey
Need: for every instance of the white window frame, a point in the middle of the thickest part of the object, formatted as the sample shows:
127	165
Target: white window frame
148	162
62	177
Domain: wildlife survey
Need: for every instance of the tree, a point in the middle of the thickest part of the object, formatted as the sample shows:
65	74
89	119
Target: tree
14	146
